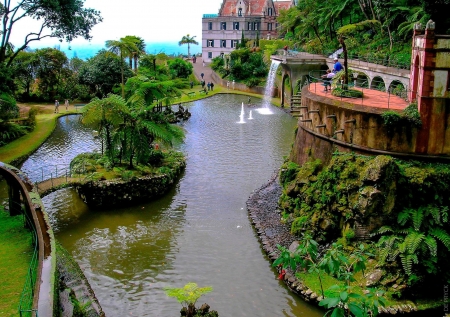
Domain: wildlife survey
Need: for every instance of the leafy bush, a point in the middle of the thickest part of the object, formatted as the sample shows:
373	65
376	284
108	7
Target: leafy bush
10	132
347	93
252	82
412	115
8	107
180	68
31	122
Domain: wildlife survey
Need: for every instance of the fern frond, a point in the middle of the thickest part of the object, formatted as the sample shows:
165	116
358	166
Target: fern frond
444	214
432	245
404	216
413	241
407	262
382	230
435	212
442	236
417	217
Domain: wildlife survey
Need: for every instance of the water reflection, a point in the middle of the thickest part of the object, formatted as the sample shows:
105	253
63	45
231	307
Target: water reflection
199	232
67	141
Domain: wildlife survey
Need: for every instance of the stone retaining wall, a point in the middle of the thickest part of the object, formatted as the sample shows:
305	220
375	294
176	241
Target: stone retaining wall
328	125
118	192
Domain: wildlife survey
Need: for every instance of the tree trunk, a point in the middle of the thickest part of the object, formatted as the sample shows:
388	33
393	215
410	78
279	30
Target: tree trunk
191	310
121	71
344	50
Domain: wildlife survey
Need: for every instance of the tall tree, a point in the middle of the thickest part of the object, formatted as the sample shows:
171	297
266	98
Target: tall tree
187	39
124	47
103	72
62	19
135	55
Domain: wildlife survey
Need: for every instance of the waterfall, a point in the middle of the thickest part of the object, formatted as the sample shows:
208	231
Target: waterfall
269	88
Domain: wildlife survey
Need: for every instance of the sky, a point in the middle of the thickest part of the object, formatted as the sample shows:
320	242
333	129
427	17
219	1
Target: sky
154	21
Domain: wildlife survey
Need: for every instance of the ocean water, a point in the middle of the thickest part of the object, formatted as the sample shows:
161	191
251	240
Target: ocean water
85	51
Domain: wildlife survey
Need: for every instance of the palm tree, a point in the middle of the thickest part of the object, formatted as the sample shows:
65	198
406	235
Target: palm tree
188	40
124	47
134	55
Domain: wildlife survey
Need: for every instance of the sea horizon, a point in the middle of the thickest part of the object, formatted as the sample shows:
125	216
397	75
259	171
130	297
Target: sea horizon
85	51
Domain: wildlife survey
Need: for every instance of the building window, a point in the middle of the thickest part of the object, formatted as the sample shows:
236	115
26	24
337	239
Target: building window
255	26
270	11
249	26
223	25
236	26
210	26
235	43
223	43
209	54
269	26
240	12
209	43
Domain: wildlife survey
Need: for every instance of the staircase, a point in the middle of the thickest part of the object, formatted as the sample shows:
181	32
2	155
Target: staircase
296	102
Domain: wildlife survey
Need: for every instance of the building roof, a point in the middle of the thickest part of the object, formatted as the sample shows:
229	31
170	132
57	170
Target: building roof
252	7
282	5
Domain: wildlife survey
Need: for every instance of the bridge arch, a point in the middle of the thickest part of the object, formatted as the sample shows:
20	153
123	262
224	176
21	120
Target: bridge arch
398	88
378	83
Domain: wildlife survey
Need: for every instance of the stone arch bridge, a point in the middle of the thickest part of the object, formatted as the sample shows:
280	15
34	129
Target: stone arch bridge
297	66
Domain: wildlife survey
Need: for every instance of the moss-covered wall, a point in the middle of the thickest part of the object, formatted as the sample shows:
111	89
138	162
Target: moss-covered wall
117	192
358	192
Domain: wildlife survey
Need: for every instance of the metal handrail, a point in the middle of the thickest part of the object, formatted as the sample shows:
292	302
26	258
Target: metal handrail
27	296
391	61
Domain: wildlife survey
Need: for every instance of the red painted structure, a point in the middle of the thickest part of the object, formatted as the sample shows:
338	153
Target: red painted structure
430	85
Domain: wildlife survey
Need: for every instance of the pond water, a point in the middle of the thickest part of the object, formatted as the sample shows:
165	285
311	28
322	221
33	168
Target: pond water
199	232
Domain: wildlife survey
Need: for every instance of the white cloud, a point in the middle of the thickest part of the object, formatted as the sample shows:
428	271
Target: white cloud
154	21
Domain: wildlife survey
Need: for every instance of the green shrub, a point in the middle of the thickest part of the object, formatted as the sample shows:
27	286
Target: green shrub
252	82
8	107
391	118
126	175
31	122
347	93
412	115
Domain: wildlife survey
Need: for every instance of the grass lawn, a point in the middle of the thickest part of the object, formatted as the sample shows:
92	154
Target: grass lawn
45	124
15	256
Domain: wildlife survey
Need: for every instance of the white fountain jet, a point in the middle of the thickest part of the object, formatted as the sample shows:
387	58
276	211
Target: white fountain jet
241	116
269	88
250	116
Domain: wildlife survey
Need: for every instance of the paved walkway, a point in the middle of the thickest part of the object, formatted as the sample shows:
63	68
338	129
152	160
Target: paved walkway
206	70
372	98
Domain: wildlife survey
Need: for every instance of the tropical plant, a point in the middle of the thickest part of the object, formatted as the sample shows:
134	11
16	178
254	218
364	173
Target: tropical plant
124	47
188	296
106	114
417	238
341	301
187	39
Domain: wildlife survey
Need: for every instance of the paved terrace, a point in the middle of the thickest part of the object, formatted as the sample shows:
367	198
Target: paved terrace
371	97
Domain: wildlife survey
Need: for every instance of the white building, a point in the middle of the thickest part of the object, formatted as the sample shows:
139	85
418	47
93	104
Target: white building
222	32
